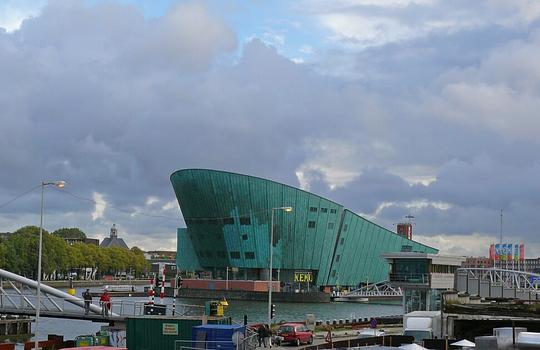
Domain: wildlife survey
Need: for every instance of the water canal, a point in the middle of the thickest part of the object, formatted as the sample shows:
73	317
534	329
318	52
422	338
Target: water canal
255	310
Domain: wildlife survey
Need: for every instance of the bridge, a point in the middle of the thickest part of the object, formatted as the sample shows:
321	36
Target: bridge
498	283
20	298
372	292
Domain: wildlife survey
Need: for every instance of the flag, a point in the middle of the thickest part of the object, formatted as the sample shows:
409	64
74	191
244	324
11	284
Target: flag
522	252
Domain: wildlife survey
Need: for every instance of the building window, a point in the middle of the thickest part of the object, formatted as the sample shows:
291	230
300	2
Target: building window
228	221
313	209
345	227
333	273
332	211
209	254
244	237
250	255
324	210
235	255
342	240
330	225
222	254
245	220
311	224
338	257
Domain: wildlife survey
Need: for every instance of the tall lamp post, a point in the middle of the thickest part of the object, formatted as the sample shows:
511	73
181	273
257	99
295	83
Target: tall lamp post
286	209
59	184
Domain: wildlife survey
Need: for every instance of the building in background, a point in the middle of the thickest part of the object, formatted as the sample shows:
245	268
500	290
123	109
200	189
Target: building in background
113	240
477	262
165	256
319	243
422	277
71	241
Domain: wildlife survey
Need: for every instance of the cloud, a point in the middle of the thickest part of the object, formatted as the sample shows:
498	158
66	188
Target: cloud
430	113
364	23
13	13
100	206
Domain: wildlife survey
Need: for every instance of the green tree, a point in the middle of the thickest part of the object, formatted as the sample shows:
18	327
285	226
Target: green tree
72	232
55	254
22	251
138	262
3	251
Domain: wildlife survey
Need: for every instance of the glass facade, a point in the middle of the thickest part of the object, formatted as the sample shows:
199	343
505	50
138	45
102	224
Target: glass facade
410	271
228	224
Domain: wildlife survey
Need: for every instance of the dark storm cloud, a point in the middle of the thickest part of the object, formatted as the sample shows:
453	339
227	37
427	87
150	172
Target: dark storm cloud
114	103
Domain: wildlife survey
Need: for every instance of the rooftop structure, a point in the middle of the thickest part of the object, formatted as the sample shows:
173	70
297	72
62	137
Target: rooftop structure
228	218
113	240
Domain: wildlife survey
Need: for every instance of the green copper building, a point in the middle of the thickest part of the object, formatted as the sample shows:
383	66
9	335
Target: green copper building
228	220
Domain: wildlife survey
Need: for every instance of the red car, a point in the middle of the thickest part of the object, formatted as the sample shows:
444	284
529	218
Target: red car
295	333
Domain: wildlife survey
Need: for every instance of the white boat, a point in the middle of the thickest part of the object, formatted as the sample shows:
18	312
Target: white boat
120	288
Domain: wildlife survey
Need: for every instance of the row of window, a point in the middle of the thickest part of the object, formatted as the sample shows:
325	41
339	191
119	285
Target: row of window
323	210
244	220
311	224
223	255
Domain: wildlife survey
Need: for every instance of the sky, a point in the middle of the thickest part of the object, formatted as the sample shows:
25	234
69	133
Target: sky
390	107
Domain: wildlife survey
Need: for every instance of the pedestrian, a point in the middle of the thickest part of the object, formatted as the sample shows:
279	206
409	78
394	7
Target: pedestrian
268	336
261	331
105	301
87	301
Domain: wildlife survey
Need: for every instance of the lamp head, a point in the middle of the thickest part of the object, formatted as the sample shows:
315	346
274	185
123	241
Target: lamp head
60	184
287	209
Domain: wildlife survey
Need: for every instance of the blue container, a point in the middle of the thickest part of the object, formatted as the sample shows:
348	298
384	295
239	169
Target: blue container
217	336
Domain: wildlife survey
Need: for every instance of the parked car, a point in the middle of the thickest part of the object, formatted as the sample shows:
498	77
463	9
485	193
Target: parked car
295	333
370	332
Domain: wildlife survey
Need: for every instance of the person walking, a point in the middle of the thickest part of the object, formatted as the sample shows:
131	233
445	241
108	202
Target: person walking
261	331
87	301
105	301
268	336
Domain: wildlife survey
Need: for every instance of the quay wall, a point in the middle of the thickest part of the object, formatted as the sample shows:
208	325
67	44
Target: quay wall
312	297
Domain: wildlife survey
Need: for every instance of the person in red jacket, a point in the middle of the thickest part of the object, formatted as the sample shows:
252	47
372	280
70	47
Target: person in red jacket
105	301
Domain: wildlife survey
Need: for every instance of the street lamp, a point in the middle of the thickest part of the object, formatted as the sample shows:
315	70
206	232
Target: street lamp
59	184
286	209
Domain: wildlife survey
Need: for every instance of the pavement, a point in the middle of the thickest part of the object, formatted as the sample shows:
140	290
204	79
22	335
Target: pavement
336	335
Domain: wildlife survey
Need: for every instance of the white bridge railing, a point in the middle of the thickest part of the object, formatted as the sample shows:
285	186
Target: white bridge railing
510	279
381	289
20	296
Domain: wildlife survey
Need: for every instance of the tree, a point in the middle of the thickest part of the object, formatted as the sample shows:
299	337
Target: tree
72	232
3	251
138	262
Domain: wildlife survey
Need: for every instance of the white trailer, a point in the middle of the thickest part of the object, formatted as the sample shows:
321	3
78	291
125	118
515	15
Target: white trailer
422	325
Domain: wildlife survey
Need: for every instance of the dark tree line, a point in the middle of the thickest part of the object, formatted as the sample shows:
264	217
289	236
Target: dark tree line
19	254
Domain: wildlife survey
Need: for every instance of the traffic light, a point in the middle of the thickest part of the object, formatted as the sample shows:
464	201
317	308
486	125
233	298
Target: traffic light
179	282
273	311
158	282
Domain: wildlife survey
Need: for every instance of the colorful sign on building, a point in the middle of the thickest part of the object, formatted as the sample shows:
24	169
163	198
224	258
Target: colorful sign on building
507	252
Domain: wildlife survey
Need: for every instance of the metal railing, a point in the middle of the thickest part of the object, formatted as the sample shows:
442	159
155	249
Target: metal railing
510	279
119	308
380	289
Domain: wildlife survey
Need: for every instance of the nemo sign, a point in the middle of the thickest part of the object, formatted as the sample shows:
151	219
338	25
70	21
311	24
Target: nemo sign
303	276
